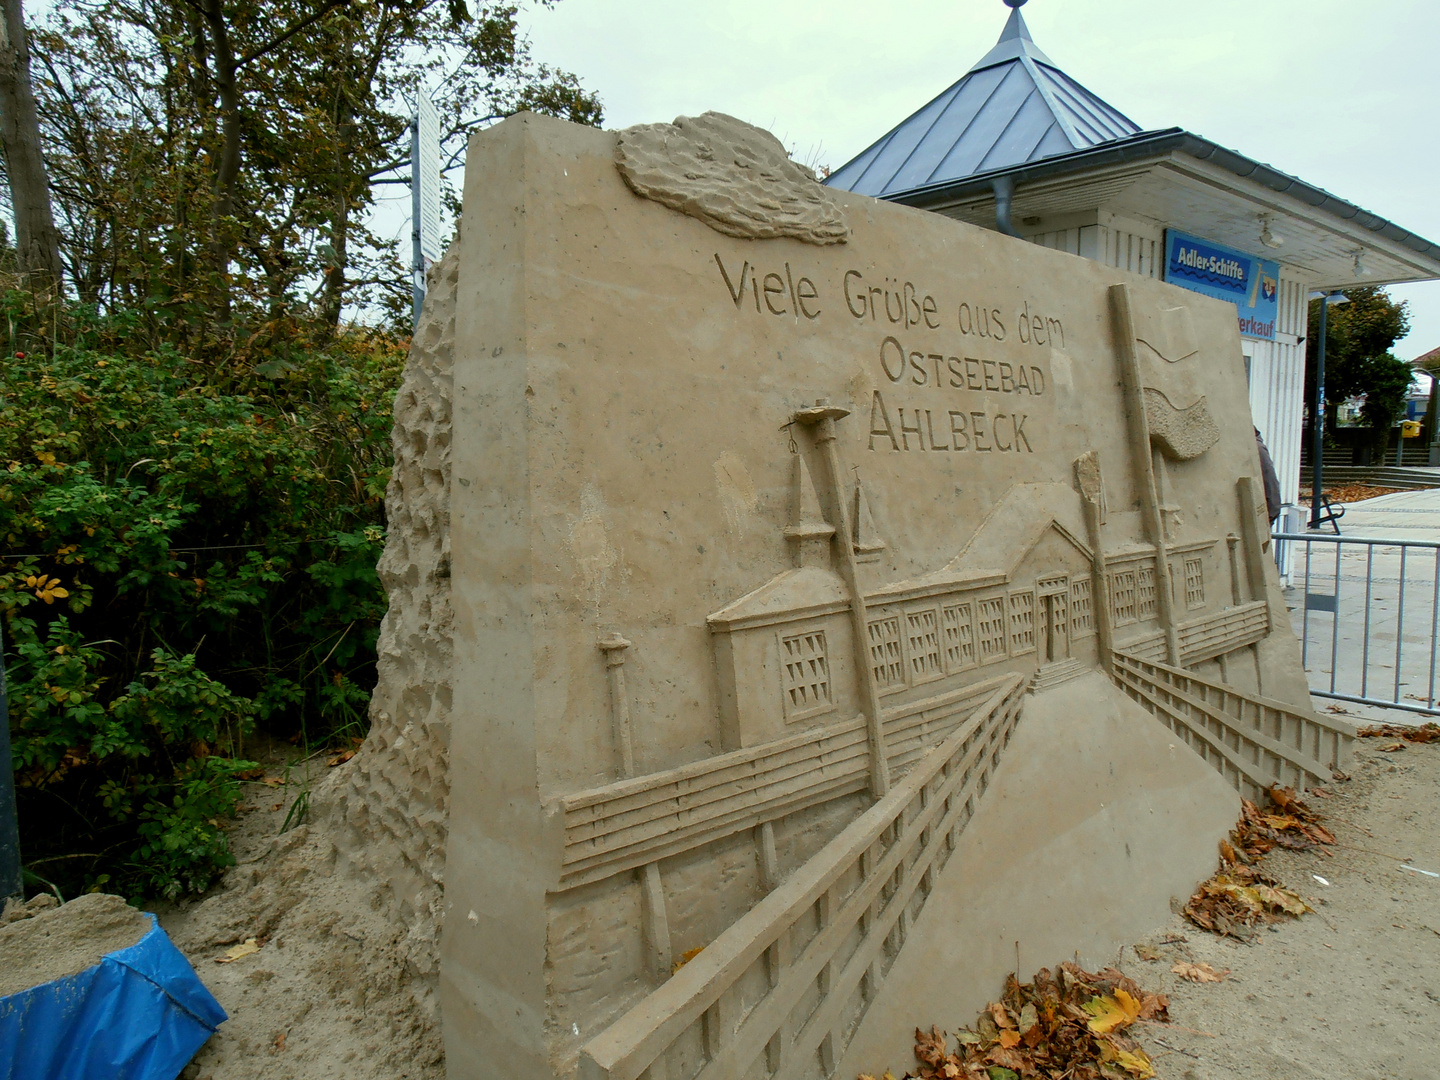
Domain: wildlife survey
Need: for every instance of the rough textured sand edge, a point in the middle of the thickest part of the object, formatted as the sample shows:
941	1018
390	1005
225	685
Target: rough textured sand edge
66	940
395	809
347	908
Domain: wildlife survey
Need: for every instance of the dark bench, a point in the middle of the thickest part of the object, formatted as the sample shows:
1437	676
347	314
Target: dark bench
1329	513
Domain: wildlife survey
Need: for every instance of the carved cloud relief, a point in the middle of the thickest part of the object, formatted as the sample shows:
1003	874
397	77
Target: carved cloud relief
731	175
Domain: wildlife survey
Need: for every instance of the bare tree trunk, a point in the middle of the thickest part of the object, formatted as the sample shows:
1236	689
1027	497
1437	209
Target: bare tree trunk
226	79
332	297
37	243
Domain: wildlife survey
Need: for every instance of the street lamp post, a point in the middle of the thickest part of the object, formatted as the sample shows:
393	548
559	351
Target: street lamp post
1317	409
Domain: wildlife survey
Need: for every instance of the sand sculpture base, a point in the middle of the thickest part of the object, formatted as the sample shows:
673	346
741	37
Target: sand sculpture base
1092	825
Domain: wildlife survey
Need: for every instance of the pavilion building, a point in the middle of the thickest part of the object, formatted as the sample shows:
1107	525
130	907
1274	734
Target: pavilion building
1018	146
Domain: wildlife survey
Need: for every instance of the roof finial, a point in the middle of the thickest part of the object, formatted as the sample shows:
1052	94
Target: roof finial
1014	3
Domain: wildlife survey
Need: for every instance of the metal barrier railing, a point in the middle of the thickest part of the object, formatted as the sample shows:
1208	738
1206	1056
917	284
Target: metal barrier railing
1354	615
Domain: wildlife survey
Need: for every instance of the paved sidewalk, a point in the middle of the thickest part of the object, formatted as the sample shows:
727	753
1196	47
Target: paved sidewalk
1368	646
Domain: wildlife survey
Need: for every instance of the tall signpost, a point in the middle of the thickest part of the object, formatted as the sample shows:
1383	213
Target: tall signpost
1317	424
424	197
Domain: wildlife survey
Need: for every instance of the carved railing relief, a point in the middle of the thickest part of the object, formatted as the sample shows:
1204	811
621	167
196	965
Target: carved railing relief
1252	741
1208	636
638	821
786	985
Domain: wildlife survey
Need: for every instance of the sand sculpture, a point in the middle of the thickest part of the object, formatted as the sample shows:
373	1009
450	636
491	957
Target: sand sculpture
775	619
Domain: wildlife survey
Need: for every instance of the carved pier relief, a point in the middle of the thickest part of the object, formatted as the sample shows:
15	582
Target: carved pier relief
786	571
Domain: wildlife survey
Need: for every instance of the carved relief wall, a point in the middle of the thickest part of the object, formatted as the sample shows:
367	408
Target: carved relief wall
749	522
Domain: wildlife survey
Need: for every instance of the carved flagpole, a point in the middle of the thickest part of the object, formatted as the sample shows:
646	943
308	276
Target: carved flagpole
820	419
1144	465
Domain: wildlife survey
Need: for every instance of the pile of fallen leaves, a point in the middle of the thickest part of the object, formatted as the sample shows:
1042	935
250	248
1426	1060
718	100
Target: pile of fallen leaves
1242	894
1068	1025
1421	733
1349	493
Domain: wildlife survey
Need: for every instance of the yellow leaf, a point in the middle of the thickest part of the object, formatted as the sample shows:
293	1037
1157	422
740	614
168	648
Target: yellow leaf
1109	1013
1284	899
1009	1038
685	957
1136	1063
235	952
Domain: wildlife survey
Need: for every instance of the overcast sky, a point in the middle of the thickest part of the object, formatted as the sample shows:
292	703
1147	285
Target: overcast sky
1341	93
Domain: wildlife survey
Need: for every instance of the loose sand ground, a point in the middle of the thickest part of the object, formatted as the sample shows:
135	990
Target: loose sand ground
1352	991
1348	993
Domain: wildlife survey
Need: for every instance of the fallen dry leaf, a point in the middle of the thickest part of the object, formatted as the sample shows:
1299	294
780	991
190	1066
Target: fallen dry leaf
342	757
1145	952
685	958
1422	733
1287	901
1006	1058
1200	973
235	952
1392	748
1136	1062
1111	1012
1050	1031
1241	893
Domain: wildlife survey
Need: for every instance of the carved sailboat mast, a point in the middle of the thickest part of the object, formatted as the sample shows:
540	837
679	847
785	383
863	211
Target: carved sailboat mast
820	420
1144	463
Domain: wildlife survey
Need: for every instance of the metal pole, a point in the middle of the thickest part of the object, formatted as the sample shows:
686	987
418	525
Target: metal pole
417	258
10	883
1317	422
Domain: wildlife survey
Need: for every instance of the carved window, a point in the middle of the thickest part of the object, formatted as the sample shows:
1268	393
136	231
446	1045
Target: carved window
1122	596
958	636
923	637
1082	619
990	628
1194	583
1022	622
805	668
885	656
1145	592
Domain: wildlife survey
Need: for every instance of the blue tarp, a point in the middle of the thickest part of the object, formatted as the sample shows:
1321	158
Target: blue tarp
139	1014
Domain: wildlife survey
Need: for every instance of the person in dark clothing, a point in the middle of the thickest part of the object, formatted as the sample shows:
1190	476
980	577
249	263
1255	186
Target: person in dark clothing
1272	482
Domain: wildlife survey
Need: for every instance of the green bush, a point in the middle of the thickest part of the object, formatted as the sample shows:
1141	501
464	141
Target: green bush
189	549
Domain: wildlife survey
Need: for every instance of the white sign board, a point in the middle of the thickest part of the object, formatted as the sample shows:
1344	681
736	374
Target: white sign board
425	171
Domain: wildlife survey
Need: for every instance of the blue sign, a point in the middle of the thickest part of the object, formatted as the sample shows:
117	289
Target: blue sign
1251	284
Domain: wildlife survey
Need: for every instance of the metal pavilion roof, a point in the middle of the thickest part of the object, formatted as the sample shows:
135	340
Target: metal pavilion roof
1012	107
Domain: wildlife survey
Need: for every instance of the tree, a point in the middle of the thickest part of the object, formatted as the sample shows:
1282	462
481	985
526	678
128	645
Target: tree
37	243
1358	362
213	158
